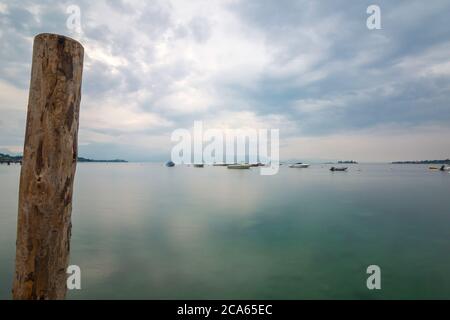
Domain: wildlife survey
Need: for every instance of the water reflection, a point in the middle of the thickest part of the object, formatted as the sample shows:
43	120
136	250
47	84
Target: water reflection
146	231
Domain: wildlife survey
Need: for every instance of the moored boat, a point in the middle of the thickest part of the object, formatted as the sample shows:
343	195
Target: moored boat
239	166
219	164
299	165
338	169
170	164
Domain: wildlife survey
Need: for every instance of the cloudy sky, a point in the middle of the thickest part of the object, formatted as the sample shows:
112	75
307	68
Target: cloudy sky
334	88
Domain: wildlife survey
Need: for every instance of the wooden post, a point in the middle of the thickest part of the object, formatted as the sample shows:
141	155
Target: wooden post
48	170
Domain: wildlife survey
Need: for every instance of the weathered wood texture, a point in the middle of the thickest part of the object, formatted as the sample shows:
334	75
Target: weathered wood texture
48	170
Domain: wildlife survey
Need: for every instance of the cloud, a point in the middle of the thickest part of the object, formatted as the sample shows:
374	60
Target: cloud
310	68
382	143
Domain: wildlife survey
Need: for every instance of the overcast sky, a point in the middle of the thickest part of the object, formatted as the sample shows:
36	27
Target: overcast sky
334	88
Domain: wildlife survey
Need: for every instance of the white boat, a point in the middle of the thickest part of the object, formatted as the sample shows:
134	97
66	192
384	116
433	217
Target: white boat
445	168
219	164
239	166
299	165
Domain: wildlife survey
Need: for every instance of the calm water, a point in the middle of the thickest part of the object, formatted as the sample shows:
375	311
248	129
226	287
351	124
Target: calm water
149	232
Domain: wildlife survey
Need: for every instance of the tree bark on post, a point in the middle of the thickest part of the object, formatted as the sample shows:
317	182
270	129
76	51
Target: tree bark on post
48	169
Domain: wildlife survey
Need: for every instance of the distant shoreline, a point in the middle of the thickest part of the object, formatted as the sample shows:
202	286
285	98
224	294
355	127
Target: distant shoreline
81	159
447	161
4	158
9	158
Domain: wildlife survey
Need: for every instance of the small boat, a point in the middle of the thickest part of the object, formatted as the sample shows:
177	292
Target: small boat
299	165
170	164
338	169
433	168
259	164
199	165
239	166
219	164
445	168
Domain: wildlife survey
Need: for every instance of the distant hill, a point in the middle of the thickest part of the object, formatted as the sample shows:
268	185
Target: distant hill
447	161
7	157
81	159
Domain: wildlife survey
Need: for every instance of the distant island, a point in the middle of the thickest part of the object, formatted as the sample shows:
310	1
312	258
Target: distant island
447	161
81	159
8	158
5	158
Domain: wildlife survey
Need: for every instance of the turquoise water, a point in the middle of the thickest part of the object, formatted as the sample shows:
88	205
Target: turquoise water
149	232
